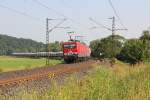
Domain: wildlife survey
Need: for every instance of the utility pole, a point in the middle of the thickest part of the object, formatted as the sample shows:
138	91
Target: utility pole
113	25
113	35
48	31
47	41
113	40
113	30
112	62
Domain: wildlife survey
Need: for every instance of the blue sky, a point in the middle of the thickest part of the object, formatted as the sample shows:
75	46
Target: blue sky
134	14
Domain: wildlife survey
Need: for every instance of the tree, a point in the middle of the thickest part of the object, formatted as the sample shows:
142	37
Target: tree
135	51
94	45
146	44
145	35
107	47
55	47
10	44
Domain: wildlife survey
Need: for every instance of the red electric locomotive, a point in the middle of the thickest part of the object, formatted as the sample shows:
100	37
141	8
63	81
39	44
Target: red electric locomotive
74	51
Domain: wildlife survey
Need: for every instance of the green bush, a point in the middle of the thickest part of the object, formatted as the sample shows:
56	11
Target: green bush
107	47
135	51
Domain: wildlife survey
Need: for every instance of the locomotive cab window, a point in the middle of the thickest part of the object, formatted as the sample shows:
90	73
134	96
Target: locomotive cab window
70	46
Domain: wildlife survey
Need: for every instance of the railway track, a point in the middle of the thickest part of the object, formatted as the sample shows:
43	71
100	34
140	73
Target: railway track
17	77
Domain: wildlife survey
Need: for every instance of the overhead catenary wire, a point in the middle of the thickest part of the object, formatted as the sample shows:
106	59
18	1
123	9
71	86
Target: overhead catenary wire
56	26
115	12
72	9
91	19
21	13
51	9
56	12
65	4
47	35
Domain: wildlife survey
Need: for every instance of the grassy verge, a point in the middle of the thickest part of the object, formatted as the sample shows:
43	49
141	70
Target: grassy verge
107	84
122	82
11	63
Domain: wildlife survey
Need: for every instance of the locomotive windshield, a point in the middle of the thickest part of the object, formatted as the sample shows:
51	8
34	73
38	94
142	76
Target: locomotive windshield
70	46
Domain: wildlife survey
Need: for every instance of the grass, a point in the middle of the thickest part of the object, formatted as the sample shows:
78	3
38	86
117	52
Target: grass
122	82
8	63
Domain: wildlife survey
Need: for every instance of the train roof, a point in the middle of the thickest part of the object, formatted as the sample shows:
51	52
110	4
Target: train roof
74	41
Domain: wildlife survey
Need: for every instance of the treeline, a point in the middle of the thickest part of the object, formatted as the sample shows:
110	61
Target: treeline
10	44
128	50
55	46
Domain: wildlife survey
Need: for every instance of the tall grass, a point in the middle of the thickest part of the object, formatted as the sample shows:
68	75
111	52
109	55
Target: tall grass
119	83
122	82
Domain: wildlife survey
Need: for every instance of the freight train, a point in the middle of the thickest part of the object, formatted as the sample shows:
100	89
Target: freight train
39	54
74	51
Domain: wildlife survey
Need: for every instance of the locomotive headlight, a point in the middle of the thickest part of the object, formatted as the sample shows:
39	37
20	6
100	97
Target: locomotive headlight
75	53
65	54
70	53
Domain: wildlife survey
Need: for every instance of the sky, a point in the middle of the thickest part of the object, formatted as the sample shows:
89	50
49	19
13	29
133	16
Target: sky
27	18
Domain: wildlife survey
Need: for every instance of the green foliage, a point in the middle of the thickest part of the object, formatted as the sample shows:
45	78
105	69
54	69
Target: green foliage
94	45
107	47
11	44
145	35
55	47
131	51
135	50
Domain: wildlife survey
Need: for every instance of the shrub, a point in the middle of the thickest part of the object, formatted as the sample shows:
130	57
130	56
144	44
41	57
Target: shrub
135	51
